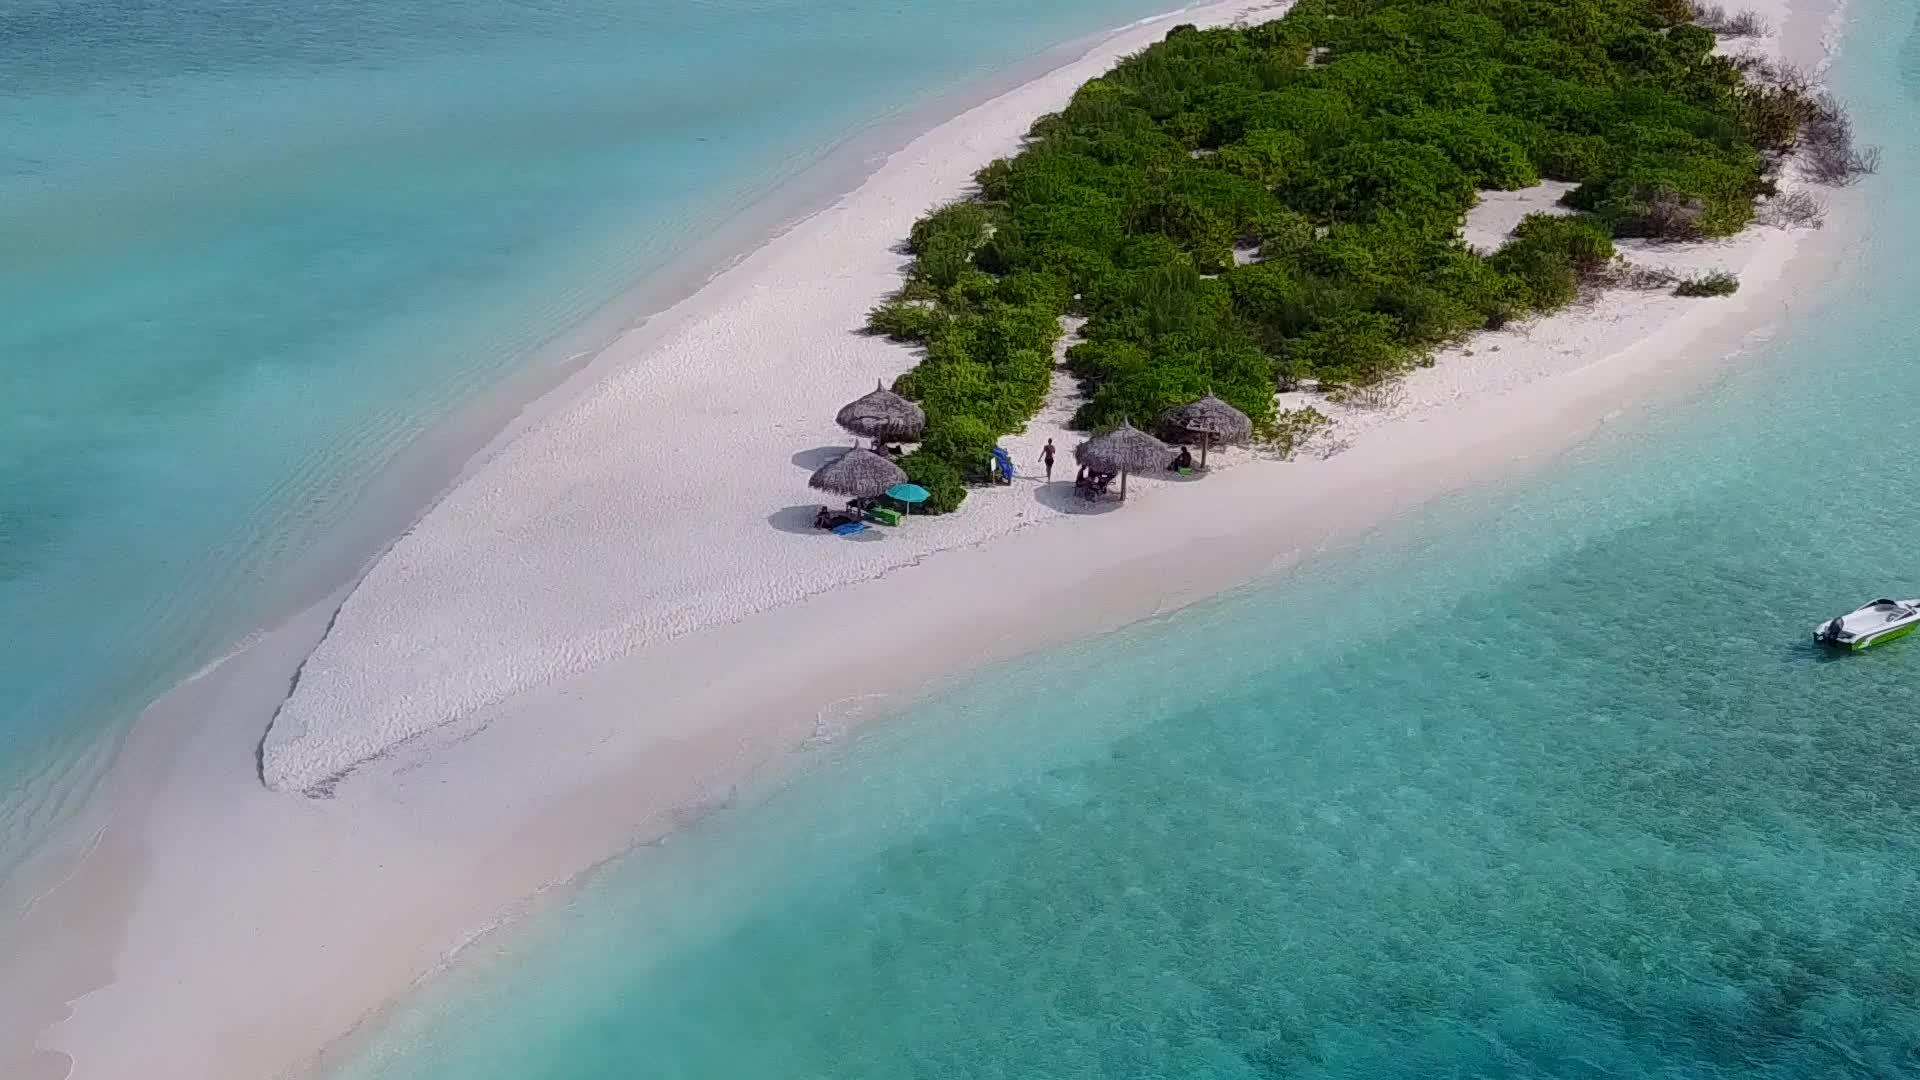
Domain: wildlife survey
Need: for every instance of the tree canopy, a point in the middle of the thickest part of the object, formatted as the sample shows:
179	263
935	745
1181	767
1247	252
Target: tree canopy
1239	209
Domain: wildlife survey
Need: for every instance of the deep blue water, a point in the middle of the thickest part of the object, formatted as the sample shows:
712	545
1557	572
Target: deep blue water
251	251
1544	781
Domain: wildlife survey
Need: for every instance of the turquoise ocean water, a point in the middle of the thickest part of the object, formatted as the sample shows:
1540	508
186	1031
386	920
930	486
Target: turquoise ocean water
250	251
1546	781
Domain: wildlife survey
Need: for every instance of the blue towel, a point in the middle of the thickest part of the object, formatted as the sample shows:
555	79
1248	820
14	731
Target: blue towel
850	528
1005	461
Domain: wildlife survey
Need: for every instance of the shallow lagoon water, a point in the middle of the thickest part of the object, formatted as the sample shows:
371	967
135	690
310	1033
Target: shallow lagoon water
255	250
1544	781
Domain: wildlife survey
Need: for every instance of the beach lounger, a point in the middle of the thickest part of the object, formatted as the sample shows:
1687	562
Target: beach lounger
885	515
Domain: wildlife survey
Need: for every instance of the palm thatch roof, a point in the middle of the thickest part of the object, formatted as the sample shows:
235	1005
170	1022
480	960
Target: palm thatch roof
1219	422
883	414
1125	449
858	474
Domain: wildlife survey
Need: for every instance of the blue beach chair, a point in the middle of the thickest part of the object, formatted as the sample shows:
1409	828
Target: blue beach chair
1002	464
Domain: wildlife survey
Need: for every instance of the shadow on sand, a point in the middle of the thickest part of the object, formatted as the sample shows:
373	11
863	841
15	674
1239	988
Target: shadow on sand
798	520
1060	496
813	459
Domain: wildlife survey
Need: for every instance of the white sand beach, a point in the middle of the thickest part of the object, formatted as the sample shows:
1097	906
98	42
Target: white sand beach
622	614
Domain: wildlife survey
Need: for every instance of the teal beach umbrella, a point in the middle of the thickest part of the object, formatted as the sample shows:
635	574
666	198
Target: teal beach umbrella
908	493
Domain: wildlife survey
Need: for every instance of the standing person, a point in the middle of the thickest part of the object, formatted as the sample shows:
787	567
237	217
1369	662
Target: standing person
1046	458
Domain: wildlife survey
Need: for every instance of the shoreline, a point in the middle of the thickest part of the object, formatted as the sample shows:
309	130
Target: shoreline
403	831
390	500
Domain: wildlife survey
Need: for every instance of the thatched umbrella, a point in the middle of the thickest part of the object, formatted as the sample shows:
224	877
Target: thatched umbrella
858	474
1214	421
1125	449
882	415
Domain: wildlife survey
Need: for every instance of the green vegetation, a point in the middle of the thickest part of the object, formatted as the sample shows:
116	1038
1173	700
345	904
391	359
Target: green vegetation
1244	209
1296	430
1717	283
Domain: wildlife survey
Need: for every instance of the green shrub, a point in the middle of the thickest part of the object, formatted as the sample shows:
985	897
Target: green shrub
1363	182
1140	386
1280	234
1573	157
1541	279
1717	283
945	489
1046	293
1584	242
1281	300
1152	250
1097	361
1298	429
970	288
1549	256
1680	191
940	269
1478	143
961	226
1267	157
906	320
960	439
1356	349
1429	316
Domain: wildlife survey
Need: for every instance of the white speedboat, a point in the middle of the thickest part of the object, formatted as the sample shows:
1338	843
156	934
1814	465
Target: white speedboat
1876	624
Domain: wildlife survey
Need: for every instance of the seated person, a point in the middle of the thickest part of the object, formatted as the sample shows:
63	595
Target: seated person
1184	461
831	519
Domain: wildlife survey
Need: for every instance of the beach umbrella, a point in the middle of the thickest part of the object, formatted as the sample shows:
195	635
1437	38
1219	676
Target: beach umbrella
883	414
1214	421
1125	449
911	494
858	474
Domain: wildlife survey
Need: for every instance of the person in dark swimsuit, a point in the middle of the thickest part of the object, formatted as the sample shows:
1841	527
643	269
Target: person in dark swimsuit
1046	458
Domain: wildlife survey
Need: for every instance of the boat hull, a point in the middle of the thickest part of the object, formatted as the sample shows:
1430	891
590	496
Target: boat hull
1890	634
